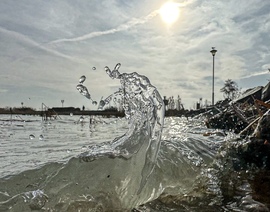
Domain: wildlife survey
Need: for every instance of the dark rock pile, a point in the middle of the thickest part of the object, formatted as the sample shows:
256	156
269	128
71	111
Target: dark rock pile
243	115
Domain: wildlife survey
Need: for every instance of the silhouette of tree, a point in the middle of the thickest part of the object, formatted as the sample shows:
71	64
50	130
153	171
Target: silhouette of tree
230	89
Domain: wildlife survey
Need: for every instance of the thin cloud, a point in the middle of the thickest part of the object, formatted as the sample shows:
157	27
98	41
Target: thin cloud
27	40
237	29
120	28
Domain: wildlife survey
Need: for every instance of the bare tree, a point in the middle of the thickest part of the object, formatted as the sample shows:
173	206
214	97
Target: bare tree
230	89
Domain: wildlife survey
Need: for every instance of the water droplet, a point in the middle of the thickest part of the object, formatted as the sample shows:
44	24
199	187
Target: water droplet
82	79
94	103
41	137
36	199
71	114
81	119
31	136
118	65
108	70
94	68
83	90
101	103
115	73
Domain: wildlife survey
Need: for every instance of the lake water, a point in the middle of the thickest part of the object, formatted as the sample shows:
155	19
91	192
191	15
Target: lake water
143	162
54	165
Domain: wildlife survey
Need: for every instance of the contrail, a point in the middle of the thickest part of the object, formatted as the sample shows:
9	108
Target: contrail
31	42
255	74
120	28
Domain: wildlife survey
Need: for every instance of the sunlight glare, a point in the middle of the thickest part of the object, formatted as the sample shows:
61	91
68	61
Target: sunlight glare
169	12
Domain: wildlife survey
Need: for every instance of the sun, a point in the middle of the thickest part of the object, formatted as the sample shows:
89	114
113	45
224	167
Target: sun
169	12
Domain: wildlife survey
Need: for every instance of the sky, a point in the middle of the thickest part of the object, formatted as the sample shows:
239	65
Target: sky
46	46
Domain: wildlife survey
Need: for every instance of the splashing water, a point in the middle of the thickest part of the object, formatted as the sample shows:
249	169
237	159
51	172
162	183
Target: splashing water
128	160
81	119
141	102
83	90
143	105
36	199
31	137
137	167
82	79
101	104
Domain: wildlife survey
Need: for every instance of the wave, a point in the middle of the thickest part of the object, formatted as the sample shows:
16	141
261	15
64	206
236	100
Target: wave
109	175
152	160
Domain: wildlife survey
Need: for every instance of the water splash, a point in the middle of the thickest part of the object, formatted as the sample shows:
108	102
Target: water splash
101	104
82	79
83	90
36	199
144	107
81	119
119	173
31	136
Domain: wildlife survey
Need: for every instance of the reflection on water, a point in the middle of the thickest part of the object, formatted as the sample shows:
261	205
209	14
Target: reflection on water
30	144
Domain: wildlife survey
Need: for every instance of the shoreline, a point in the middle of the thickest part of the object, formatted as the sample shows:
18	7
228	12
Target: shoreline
63	111
55	111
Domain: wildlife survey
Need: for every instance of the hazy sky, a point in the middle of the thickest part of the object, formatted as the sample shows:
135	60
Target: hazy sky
46	46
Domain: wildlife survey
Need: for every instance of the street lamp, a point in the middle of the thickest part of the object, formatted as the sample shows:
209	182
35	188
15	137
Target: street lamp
213	51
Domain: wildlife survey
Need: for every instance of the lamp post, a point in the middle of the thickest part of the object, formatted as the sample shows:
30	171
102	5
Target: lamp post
213	51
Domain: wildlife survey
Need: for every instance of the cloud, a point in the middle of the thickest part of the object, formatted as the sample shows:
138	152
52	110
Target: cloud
120	28
22	38
47	34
